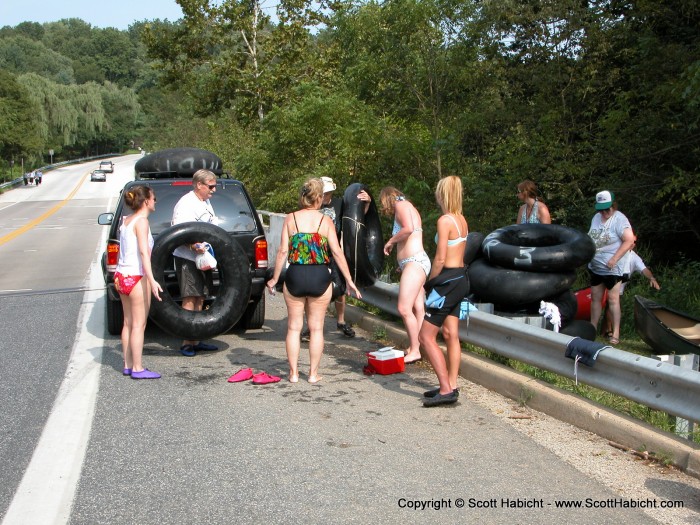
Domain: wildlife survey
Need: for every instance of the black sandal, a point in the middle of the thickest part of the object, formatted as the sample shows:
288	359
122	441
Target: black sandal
345	328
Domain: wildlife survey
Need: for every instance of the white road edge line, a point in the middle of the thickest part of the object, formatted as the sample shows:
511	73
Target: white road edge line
45	494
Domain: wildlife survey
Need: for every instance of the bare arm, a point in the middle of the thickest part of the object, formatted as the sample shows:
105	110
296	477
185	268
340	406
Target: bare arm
443	232
402	213
626	245
281	258
543	214
646	272
141	230
338	255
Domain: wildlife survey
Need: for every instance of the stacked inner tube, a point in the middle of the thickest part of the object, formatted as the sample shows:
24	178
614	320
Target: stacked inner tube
363	243
523	264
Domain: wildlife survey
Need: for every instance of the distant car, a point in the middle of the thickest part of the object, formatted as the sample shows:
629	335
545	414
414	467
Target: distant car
107	166
98	176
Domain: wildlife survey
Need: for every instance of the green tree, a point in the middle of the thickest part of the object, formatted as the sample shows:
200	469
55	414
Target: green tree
20	54
19	134
67	114
228	55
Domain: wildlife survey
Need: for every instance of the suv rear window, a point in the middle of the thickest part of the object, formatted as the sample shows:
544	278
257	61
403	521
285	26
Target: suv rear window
229	202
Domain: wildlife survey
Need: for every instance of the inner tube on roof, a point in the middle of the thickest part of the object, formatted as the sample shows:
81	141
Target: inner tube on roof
363	243
538	247
505	286
232	295
179	162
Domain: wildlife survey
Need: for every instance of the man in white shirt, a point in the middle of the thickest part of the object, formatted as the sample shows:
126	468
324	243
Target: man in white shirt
633	264
194	283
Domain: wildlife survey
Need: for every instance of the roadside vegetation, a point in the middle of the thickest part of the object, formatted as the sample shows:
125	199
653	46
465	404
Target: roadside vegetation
577	96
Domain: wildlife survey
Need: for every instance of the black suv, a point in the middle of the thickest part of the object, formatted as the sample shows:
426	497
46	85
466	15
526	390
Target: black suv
233	207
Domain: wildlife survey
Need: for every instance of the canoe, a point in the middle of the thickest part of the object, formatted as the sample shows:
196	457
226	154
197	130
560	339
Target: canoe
666	330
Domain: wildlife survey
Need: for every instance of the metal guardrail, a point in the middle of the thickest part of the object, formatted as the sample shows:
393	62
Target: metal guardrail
658	385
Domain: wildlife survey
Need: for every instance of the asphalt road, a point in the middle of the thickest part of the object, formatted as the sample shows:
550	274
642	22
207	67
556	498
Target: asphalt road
193	448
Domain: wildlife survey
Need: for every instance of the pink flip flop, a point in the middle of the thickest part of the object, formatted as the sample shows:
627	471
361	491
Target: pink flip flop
263	378
242	375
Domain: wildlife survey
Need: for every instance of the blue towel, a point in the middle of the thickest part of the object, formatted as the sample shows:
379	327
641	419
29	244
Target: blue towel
434	299
583	351
464	308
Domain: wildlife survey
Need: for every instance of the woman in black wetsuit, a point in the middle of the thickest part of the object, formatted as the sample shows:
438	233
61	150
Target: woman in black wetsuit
308	241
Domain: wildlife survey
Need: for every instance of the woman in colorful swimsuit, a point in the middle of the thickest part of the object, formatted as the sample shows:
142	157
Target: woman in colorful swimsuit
414	263
448	281
533	210
308	241
134	279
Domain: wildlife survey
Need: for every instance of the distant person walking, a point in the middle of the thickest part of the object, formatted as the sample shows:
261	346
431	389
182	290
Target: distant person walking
134	279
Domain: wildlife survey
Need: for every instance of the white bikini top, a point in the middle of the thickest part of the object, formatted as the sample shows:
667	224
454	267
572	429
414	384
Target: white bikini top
458	240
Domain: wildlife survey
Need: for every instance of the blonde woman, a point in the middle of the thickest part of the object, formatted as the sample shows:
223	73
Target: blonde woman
414	263
448	280
308	242
134	279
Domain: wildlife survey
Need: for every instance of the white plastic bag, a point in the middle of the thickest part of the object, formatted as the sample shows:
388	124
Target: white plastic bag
206	261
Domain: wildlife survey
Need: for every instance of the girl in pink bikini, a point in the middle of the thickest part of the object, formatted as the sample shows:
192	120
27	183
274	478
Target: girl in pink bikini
135	244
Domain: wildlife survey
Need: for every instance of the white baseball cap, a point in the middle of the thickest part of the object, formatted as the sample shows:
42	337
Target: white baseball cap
604	200
328	184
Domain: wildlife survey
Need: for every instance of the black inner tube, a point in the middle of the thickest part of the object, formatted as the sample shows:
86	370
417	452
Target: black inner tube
538	247
505	286
363	243
180	161
232	295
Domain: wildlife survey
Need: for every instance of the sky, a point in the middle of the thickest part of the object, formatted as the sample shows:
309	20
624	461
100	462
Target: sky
98	13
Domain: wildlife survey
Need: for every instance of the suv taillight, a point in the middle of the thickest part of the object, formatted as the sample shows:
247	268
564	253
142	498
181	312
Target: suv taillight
261	253
112	256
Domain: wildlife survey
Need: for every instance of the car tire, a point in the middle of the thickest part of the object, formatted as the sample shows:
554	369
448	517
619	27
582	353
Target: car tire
234	283
363	243
254	315
538	247
115	316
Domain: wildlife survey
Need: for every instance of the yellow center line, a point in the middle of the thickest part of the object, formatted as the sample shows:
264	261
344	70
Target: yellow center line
42	218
